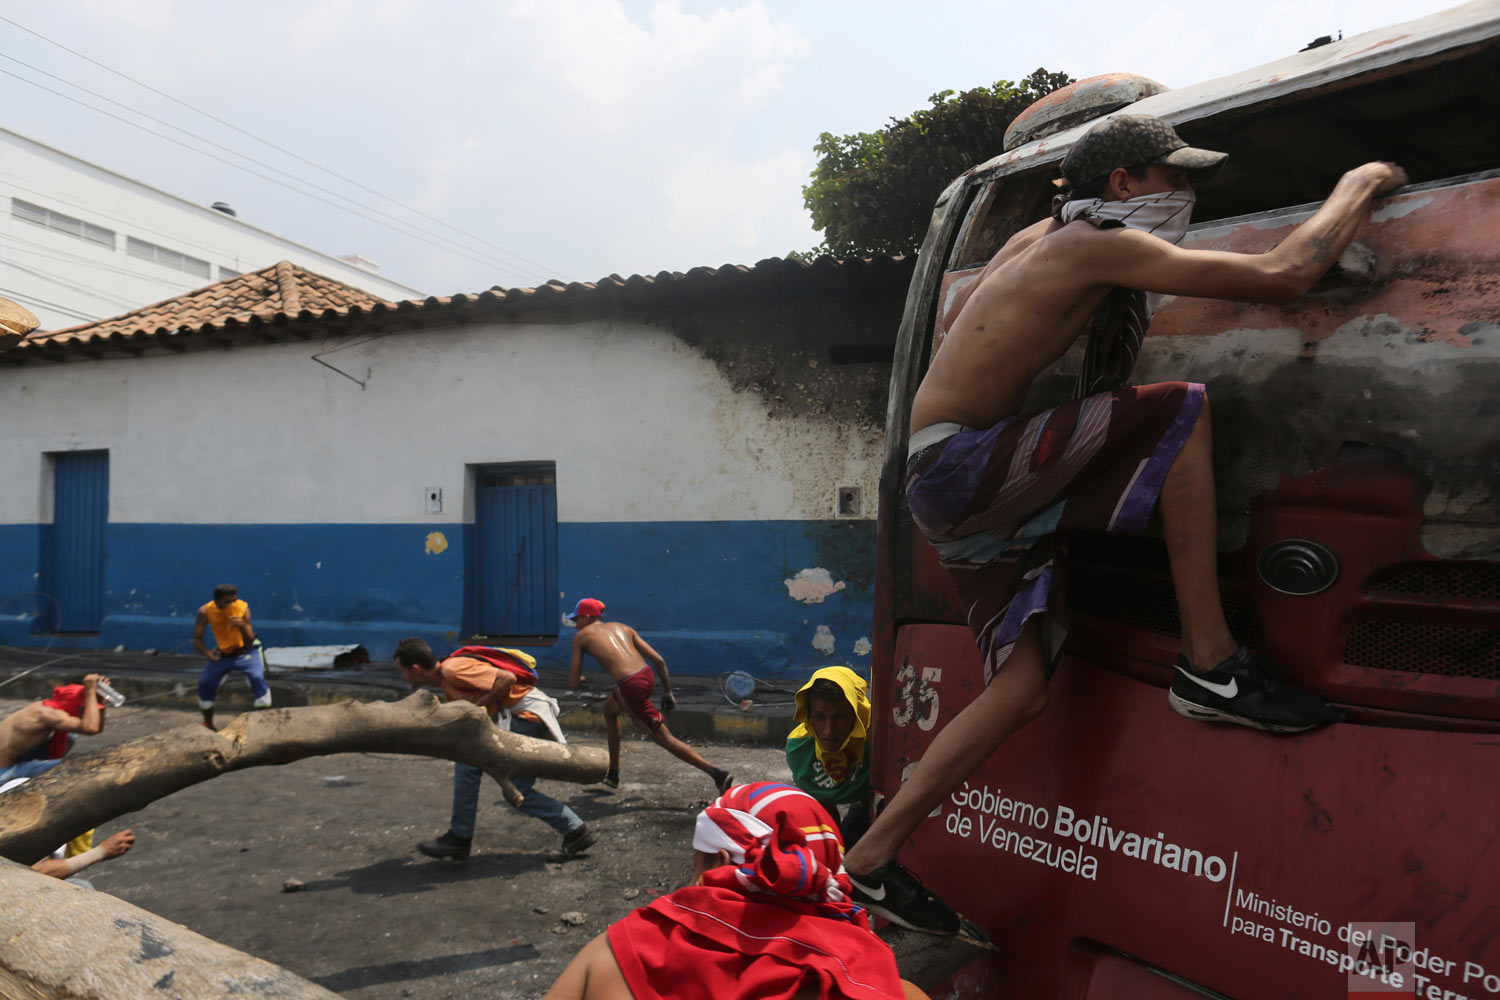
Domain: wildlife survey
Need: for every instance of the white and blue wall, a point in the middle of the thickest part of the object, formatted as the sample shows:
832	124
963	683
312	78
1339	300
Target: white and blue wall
697	475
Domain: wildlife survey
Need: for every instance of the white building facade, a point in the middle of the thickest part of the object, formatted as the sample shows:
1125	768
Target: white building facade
700	452
80	243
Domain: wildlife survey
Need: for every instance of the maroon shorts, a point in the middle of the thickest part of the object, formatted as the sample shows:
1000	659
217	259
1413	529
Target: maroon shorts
635	694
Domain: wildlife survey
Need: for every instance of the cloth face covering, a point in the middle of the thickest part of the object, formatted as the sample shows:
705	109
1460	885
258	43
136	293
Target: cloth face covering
1165	214
1119	324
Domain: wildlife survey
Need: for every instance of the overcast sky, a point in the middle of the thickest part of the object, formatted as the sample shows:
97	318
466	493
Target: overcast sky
569	138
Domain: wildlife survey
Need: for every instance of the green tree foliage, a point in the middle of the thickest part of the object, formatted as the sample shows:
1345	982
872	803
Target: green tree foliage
872	192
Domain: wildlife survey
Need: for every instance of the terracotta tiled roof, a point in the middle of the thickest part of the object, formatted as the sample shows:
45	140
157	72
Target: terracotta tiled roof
283	289
312	306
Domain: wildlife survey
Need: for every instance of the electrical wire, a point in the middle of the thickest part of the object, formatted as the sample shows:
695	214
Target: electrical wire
32	249
26	297
229	125
306	194
234	152
70	200
60	280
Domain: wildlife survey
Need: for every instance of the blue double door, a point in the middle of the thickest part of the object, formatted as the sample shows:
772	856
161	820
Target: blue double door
512	576
74	546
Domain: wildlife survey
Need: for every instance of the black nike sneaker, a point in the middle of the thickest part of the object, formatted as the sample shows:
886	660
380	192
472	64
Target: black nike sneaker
894	893
1245	690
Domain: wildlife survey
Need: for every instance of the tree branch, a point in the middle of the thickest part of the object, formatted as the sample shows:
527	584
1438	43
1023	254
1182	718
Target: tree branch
87	791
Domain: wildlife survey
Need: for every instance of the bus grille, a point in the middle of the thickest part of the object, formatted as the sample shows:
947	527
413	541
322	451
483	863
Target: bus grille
1147	604
1421	647
1437	581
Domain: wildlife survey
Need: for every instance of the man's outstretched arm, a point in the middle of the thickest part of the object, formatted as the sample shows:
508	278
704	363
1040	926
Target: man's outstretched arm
1281	275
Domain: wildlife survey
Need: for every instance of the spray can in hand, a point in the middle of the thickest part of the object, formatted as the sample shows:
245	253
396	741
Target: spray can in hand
108	694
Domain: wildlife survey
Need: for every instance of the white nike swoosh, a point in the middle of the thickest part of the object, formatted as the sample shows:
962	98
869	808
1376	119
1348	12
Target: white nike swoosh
1222	690
869	893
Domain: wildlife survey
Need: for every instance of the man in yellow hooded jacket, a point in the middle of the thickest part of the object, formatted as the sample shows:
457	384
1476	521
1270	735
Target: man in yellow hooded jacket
829	751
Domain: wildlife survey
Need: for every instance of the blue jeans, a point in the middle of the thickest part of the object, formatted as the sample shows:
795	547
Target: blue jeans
854	824
250	663
466	782
27	769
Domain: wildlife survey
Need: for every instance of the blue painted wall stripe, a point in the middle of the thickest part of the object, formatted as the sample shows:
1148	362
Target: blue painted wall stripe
710	595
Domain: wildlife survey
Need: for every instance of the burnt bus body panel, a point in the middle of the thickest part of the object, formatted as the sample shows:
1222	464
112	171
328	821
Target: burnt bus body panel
1357	456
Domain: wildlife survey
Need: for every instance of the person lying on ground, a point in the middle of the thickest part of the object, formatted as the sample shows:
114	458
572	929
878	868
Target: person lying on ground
768	917
992	489
622	653
65	866
503	683
79	853
828	750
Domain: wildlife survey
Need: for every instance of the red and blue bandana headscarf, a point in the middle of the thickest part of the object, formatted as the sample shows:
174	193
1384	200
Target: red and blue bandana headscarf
781	843
773	924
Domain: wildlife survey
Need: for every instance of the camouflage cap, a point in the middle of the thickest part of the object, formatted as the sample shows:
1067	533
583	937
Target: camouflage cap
1131	140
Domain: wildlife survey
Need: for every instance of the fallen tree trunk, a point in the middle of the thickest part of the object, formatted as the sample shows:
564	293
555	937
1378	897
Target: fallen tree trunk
87	791
65	942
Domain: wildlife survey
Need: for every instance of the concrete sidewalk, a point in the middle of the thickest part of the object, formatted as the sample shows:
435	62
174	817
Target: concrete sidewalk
170	681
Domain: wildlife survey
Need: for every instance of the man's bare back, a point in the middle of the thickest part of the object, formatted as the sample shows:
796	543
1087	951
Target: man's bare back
24	728
615	645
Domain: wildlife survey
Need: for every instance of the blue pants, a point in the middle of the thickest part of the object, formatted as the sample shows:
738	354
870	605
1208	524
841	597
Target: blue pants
466	782
28	768
248	663
854	824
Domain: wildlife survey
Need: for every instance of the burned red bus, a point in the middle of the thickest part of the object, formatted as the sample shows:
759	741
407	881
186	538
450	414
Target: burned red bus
1112	848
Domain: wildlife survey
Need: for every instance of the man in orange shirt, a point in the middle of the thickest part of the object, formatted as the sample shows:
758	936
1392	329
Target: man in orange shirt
236	648
495	680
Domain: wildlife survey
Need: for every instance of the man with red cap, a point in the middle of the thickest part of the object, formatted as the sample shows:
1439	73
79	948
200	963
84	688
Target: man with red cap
33	739
769	916
623	654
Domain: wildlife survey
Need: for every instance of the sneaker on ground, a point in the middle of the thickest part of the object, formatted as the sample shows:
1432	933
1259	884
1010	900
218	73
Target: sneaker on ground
723	780
610	780
578	841
1245	690
447	846
894	893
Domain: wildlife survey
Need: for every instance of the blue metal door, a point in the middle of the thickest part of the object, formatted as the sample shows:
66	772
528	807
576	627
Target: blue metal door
515	579
80	517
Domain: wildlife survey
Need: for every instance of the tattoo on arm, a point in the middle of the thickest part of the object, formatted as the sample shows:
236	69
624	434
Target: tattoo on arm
1324	244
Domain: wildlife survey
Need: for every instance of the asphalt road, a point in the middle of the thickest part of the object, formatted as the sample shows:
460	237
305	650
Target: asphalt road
377	920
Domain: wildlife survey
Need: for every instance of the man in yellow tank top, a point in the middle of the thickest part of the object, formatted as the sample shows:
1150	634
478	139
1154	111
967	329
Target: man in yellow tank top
236	649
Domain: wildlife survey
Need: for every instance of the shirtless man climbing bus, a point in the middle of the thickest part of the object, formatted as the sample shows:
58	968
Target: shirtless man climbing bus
991	489
620	651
